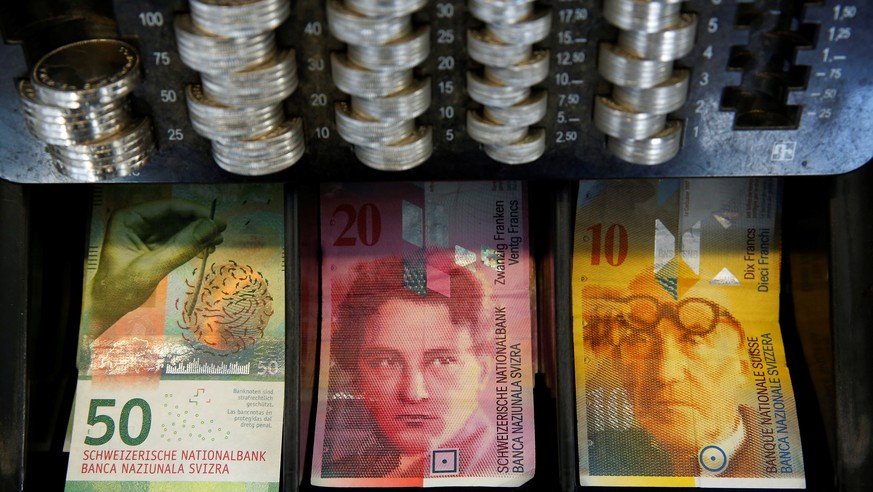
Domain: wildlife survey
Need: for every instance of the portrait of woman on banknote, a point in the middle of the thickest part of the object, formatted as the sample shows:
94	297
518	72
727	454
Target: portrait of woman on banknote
668	395
408	365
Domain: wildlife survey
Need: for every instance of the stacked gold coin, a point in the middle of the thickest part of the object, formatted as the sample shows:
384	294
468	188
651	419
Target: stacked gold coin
244	80
504	87
76	101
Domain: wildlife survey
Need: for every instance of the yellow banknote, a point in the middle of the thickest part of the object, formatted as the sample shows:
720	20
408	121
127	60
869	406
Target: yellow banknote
681	377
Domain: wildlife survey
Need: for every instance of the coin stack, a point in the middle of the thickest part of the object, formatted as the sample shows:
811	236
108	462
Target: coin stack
76	101
244	78
376	71
646	88
511	68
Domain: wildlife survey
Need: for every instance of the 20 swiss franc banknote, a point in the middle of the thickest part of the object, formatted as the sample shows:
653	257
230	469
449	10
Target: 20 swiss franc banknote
426	362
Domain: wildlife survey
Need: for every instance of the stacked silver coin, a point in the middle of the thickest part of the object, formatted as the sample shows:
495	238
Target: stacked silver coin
244	80
76	101
512	66
376	71
645	87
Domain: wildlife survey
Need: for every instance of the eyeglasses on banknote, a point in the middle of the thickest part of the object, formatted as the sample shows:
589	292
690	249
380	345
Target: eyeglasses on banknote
614	319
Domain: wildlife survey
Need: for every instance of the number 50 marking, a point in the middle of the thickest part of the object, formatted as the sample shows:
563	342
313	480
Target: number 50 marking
123	422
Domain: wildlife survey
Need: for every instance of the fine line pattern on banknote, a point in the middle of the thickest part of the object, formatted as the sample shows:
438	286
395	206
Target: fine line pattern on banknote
182	342
427	336
680	362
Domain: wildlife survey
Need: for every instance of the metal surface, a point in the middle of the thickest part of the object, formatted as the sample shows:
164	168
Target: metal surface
852	315
13	309
829	102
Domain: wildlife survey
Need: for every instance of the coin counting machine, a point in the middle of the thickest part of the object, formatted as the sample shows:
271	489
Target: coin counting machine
311	91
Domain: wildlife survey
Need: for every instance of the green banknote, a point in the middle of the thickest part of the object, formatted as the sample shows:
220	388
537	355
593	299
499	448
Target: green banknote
182	340
681	377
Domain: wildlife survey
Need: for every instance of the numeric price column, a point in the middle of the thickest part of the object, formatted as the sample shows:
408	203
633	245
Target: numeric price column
150	22
573	55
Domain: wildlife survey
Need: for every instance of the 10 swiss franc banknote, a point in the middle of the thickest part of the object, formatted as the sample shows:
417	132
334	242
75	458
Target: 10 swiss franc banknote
681	378
182	345
426	364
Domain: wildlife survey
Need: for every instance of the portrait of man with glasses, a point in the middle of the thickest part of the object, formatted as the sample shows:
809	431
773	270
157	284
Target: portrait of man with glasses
679	371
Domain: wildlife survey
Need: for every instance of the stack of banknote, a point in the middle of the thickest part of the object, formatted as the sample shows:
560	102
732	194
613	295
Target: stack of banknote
182	345
426	368
681	374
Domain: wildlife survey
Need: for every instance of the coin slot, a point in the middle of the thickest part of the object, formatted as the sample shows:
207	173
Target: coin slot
768	66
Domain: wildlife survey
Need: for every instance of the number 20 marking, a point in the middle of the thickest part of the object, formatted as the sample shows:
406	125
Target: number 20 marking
369	224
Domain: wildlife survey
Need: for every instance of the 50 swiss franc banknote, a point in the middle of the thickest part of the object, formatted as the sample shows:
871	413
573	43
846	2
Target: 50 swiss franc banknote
182	343
681	376
426	365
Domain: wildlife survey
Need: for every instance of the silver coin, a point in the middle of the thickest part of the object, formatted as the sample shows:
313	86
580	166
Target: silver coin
670	44
286	135
110	148
104	172
529	30
358	129
377	8
666	97
490	51
260	167
527	73
657	149
83	132
405	52
624	68
355	28
95	71
215	121
624	122
239	18
501	11
117	155
486	131
410	102
262	85
65	126
272	152
642	15
205	52
359	81
492	93
409	152
528	149
523	114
